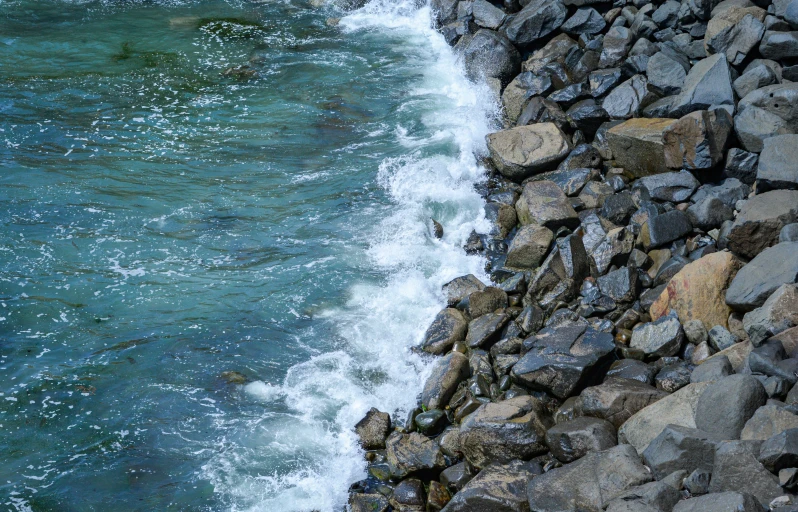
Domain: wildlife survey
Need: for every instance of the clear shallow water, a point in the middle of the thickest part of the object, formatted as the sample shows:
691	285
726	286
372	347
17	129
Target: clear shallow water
163	224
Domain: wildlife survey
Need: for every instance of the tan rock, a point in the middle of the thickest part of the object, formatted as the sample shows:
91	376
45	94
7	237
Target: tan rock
768	421
737	354
727	19
698	291
523	151
637	146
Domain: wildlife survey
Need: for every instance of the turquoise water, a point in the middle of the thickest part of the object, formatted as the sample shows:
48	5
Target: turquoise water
165	225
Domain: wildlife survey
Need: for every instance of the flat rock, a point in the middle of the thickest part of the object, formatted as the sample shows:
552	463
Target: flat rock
628	99
523	151
449	326
409	453
498	487
616	400
675	187
529	247
778	164
573	439
727	404
720	502
447	373
485	330
660	338
698	140
707	86
762	276
637	145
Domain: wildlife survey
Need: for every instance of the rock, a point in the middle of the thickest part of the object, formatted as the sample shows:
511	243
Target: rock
709	214
573	439
602	81
673	377
741	165
736	354
777	314
735	33
486	301
437	497
618	208
675	409
768	421
727	404
789	233
780	451
628	99
617	42
487	15
680	448
526	150
664	229
621	285
461	287
449	326
456	477
561	274
447	373
779	45
720	502
409	496
521	89
590	483
698	140
675	187
529	247
661	338
499	487
570	181
373	429
583	155
753	79
632	369
585	20
616	400
780	100
444	11
503	431
707	86
653	496
754	125
737	468
537	19
712	370
368	503
637	145
409	453
697	483
665	75
698	291
543	203
730	191
763	275
778	165
559	359
431	422
720	338
695	331
488	54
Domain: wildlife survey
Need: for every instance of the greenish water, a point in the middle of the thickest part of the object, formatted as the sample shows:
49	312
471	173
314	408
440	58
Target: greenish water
164	224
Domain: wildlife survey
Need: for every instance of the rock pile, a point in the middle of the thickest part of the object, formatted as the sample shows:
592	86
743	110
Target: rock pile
637	348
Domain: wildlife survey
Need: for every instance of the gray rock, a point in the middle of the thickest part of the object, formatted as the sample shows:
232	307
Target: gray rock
487	15
762	276
712	369
368	503
499	487
779	45
753	125
573	439
409	453
616	400
777	314
409	496
698	482
653	496
727	404
768	421
628	99
680	448
741	165
780	451
521	89
778	163
529	247
760	221
735	40
590	483
709	214
570	181
503	431
447	373
754	78
617	43
665	75
736	468
730	191
720	338
486	301
585	20
543	203
613	249
695	331
559	359
449	326
488	54
720	502
537	19
583	155
461	287
485	330
621	285
444	11
673	377
666	15
373	429
526	150
602	81
561	274
633	369
698	140
780	100
661	338
637	145
789	233
675	187
707	86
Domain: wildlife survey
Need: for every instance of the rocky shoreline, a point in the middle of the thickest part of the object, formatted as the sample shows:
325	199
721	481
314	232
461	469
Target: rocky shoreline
637	348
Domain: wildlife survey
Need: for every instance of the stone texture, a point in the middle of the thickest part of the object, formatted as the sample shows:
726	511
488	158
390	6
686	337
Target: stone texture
663	229
488	54
573	439
665	75
736	468
523	151
709	213
768	421
707	85
698	140
660	338
675	187
680	448
760	221
720	502
754	125
780	451
778	164
486	301
777	314
485	330
461	287
529	247
735	32
616	400
537	19
373	429
544	203
409	453
449	326
498	487
762	276
727	404
446	374
560	276
653	496
628	99
780	100
637	145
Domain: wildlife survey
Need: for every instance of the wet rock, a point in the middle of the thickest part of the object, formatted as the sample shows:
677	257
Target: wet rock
590	483
537	19
633	369
698	291
737	468
500	487
753	125
617	42
486	301
559	359
735	32
675	187
768	421
741	165
543	203
712	370
629	98
583	155
488	54
619	208
778	164
503	431
587	116
444	11
461	287
409	453
727	404
526	150
637	145
368	503
709	213
529	247
665	75
373	429
698	140
661	338
437	497
449	326
485	330
762	276
431	422
602	81
570	181
561	274
707	86
680	448
456	477
521	89
447	373
409	496
487	15
621	285
777	314
664	229
613	249
616	400
573	439
720	502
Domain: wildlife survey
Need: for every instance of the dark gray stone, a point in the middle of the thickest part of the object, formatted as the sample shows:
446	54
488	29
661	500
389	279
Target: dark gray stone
697	483
741	165
585	20
461	287
730	191
737	40
762	276
653	496
673	377
720	502
776	315
488	54
628	99
621	285
616	399
680	448
720	338
661	338
449	326
675	187
779	45
618	208
753	125
780	451
498	487
736	468
571	440
778	164
537	19
714	368
727	404
447	373
444	11
665	228
665	75
544	203
633	369
617	43
709	214
561	273
604	80
521	89
485	330
486	301
779	100
707	85
613	249
487	15
760	221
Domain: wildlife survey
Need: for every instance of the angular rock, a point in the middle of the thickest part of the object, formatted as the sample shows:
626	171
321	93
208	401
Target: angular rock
712	370
488	54
447	373
537	19
461	287
736	468
653	496
778	164
486	301
741	165
727	404
779	45
602	81
485	330
698	140
585	20
373	429
543	203
777	314
753	79
707	86
735	33
768	421
628	99
720	502
573	439
503	431
632	369
754	125
529	247
762	276
680	448
720	338
616	400
560	276
709	214
675	187
673	377
637	145
665	75
526	150
368	503
780	451
449	326
617	43
664	229
621	285
487	15
780	100
661	338
409	453
409	496
521	89
499	487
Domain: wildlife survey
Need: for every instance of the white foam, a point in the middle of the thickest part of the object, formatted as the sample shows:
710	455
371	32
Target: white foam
373	366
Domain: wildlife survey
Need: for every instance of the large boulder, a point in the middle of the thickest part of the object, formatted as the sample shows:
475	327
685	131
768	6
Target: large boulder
409	453
698	140
488	54
698	290
617	399
545	204
498	487
780	451
559	359
447	373
537	19
726	405
523	151
707	86
590	483
778	163
571	440
760	221
503	431
449	326
762	276
637	146
735	32
461	287
720	502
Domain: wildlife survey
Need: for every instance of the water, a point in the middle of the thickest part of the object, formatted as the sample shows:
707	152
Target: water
164	225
